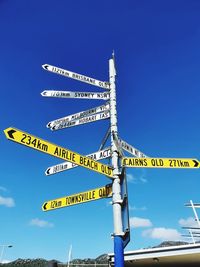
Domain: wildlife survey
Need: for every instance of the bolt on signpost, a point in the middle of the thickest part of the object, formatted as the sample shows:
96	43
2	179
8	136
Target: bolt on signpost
117	173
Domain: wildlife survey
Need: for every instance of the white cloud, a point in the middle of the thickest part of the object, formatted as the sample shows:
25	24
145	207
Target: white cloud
7	201
41	223
130	178
140	177
163	234
3	189
139	222
137	208
189	222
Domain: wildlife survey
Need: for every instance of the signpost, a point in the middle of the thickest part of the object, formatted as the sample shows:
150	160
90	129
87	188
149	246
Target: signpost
79	198
160	163
118	188
117	196
76	76
102	154
79	95
34	142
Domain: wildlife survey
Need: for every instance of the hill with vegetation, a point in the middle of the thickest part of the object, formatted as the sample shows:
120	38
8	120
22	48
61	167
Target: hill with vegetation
102	259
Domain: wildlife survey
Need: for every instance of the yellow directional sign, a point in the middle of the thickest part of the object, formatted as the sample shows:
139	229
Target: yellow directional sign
160	163
94	194
34	142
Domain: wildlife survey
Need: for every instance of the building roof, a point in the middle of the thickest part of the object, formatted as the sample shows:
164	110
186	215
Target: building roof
184	255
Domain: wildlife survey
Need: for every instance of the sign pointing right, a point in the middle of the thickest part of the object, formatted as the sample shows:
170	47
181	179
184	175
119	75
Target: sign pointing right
160	163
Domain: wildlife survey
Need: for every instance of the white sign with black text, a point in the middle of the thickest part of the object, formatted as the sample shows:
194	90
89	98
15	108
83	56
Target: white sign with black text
132	150
79	115
76	76
79	95
100	116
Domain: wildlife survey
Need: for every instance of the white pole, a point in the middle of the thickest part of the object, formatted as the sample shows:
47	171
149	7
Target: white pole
195	213
192	236
69	256
2	251
116	188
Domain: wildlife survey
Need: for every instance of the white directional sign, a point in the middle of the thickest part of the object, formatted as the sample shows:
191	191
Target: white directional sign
102	154
76	76
196	205
79	115
100	116
132	150
79	95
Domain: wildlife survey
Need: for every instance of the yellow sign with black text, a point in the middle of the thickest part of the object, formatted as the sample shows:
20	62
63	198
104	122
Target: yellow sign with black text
34	142
160	163
94	194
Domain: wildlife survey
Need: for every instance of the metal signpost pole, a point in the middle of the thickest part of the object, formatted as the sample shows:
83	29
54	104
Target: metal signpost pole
116	188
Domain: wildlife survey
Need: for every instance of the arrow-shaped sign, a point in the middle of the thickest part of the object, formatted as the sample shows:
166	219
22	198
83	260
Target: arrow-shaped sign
160	163
34	142
102	154
10	133
76	76
78	95
79	115
96	117
132	150
91	195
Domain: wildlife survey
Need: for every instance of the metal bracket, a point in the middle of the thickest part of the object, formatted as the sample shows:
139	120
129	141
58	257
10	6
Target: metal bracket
120	201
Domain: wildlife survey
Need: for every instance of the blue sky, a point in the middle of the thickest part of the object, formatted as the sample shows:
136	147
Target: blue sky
156	45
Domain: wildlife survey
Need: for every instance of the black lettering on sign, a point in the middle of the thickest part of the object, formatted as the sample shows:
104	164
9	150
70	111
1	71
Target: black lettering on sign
92	156
106	95
134	162
175	163
104	84
157	162
66	154
33	142
88	163
22	140
56	204
106	170
104	192
170	163
64	94
105	153
140	162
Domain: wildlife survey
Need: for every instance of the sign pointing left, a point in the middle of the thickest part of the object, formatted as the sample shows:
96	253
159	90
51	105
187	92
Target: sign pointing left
76	76
78	95
82	197
34	142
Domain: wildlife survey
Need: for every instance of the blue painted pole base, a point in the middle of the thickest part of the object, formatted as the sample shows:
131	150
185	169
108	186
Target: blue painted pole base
119	251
